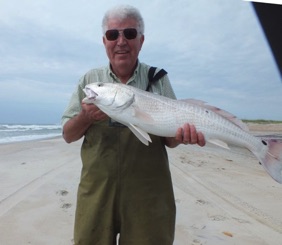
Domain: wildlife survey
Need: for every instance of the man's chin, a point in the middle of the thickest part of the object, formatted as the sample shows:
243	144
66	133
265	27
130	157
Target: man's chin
123	61
122	56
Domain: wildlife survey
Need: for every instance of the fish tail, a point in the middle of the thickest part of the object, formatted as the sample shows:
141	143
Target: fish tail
271	159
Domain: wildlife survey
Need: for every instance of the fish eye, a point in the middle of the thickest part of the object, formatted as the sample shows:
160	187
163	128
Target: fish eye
100	84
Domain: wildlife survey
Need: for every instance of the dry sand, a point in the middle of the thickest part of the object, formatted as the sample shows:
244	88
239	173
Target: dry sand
222	197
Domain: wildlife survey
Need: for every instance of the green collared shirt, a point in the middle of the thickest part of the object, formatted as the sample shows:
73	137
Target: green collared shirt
139	79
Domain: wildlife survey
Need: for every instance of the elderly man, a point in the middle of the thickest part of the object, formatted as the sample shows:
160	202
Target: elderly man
125	186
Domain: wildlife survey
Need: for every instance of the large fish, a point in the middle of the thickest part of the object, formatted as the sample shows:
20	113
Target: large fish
143	112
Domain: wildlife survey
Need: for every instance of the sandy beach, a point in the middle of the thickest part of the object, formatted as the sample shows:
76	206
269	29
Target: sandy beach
222	197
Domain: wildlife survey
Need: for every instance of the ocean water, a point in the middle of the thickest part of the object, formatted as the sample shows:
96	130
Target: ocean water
10	133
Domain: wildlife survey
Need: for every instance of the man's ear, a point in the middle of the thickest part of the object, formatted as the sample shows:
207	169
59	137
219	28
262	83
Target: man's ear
142	39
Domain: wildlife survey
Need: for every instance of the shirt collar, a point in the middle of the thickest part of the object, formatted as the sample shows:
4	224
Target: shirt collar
132	78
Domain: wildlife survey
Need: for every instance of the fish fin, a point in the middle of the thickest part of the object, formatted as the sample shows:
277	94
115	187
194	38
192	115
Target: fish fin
225	114
143	116
195	102
143	136
230	117
219	143
271	159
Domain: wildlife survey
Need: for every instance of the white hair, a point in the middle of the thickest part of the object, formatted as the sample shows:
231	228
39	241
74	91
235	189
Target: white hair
123	12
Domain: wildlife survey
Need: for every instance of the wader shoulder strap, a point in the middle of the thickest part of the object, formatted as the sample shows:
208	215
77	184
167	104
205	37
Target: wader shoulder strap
152	77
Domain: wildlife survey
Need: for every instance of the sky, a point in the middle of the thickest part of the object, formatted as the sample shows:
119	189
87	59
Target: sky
213	50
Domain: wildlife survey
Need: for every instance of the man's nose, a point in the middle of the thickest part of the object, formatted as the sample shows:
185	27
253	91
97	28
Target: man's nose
121	38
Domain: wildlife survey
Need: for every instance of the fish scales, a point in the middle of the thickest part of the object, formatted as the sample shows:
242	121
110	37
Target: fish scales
204	120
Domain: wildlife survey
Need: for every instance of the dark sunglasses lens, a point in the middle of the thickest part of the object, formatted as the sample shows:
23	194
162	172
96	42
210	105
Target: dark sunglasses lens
112	35
130	33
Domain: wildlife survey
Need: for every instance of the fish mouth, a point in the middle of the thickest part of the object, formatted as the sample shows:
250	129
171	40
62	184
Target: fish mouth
93	96
90	94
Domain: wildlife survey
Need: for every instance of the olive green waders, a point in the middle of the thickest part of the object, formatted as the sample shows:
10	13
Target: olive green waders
125	188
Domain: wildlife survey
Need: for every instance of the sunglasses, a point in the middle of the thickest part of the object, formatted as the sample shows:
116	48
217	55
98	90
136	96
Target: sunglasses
128	33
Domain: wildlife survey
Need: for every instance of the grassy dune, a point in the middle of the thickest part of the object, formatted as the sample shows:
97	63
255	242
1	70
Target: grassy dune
261	121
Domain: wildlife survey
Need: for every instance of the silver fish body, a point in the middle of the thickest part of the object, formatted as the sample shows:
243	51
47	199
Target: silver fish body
146	113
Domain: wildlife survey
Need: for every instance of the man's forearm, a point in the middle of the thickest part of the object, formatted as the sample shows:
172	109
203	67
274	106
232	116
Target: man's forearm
75	128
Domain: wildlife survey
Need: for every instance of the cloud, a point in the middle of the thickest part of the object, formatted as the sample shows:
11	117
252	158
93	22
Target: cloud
213	50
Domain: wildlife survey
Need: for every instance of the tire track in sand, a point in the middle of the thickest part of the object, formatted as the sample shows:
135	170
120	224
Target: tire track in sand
196	176
24	191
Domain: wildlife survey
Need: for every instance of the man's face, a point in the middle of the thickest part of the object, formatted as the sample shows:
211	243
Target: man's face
123	52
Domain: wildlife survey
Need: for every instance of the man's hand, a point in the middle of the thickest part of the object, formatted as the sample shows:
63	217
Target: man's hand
76	127
92	112
189	135
186	135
